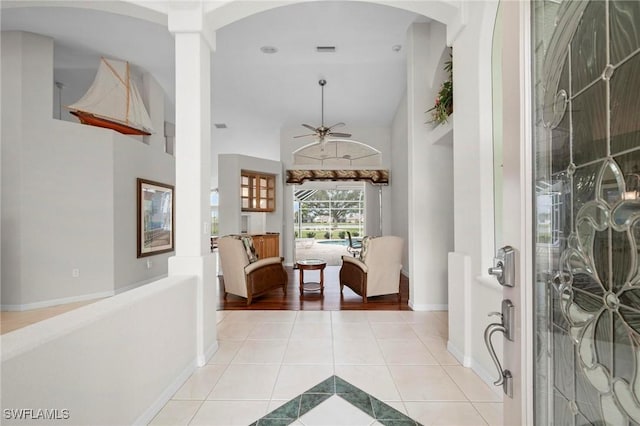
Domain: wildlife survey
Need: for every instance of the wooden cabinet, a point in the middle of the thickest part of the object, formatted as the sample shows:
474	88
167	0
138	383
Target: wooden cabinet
258	192
267	245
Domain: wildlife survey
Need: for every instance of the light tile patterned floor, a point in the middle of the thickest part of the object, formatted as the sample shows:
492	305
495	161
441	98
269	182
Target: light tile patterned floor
268	358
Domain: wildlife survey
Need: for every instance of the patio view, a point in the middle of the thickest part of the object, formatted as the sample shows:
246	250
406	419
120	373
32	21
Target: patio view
323	219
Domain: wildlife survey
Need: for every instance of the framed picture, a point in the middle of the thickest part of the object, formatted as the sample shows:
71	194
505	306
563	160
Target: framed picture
155	218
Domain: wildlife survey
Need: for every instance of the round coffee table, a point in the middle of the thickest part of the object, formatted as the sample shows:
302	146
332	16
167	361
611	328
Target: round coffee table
311	265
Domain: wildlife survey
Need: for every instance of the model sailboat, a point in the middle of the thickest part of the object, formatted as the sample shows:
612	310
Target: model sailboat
113	101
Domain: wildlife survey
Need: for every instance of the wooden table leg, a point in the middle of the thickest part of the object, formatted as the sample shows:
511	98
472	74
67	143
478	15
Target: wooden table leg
322	281
301	280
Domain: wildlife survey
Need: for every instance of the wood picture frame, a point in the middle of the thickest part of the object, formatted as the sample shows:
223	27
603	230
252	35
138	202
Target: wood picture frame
155	217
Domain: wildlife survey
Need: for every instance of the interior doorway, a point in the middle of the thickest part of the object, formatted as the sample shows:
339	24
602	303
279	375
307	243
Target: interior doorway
325	215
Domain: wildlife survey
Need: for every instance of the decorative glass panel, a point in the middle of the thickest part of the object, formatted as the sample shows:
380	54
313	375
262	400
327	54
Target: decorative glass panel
589	115
625	28
588	55
625	92
588	162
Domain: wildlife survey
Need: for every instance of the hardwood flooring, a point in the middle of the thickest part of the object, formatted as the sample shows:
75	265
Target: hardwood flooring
331	300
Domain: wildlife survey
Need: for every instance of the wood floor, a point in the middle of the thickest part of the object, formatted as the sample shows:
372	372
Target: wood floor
331	300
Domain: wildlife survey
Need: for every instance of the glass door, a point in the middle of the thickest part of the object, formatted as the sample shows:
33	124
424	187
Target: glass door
586	133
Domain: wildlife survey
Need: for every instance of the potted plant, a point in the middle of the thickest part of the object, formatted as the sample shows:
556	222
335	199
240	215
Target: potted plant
443	106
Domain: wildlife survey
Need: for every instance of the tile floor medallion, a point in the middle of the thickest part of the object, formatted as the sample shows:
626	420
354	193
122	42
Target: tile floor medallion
332	368
336	402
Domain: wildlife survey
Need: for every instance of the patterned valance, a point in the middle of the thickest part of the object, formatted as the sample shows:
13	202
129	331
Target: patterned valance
376	177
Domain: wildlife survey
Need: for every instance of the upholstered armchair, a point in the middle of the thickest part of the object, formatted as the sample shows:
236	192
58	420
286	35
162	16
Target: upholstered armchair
377	270
244	274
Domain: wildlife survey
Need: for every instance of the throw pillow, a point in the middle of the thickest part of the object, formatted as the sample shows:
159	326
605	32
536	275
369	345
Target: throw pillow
365	246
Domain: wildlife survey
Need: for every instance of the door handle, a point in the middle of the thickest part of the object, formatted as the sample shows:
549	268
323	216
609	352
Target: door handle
505	326
505	266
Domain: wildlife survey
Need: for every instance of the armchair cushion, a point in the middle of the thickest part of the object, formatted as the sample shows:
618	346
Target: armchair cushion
246	279
378	272
356	262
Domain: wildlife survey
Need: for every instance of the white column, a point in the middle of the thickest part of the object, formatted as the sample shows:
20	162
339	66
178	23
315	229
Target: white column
193	167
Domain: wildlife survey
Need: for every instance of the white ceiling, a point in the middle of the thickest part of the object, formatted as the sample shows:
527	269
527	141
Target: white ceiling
365	77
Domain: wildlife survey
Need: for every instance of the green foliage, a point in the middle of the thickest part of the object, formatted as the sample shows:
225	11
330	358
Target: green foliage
355	234
443	107
311	234
327	235
341	235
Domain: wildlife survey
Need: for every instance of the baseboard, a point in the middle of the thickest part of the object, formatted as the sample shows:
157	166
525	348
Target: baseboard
458	354
209	353
166	395
56	302
428	307
139	284
486	377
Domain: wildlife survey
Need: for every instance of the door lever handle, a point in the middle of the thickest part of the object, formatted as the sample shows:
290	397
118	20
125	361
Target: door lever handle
506	327
497	270
488	332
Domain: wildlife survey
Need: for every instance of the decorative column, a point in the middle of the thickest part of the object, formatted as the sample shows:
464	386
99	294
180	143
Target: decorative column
193	45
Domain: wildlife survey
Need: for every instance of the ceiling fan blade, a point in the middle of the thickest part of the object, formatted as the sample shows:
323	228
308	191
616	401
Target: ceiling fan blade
309	127
340	135
303	136
337	125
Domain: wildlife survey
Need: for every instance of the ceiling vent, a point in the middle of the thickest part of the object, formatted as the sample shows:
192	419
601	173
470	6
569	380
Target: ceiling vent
220	125
325	49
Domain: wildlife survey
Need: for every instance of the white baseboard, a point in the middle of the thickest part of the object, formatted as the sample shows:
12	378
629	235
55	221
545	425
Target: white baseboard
166	395
486	377
209	353
55	302
428	307
458	354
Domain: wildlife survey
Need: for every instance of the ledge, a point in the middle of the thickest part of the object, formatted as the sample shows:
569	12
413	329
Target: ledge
442	134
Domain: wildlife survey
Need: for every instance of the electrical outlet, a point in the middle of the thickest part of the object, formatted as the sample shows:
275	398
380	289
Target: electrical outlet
75	273
149	263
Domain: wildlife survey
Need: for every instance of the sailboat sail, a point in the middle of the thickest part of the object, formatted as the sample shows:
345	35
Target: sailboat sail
113	101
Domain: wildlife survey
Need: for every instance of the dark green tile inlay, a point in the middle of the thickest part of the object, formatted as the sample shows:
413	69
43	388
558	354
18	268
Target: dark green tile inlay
328	386
290	410
334	385
312	400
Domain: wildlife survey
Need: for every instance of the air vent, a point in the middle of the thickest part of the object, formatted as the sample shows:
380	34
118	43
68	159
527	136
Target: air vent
325	49
220	125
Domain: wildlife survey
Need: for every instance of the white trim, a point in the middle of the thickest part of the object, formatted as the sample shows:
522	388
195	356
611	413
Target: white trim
526	201
212	350
56	302
487	377
428	307
148	415
457	354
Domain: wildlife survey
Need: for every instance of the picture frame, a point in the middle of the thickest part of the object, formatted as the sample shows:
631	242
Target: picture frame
155	217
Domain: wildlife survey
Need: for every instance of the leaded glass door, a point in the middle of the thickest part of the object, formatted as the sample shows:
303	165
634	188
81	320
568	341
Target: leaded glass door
586	133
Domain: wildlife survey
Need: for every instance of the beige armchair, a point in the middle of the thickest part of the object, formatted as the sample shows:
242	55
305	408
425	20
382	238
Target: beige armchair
245	278
377	271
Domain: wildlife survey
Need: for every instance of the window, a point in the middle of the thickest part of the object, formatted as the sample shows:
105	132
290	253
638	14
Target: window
258	192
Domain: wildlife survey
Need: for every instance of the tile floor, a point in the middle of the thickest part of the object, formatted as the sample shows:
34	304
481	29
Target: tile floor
268	358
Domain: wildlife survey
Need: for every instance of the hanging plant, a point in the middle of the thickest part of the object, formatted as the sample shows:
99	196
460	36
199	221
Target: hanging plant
443	107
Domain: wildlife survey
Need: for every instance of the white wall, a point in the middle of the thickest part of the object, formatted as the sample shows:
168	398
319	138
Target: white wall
72	204
473	184
229	168
430	171
92	362
400	179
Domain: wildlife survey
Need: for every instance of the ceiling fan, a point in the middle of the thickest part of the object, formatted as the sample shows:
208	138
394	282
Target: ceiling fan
322	132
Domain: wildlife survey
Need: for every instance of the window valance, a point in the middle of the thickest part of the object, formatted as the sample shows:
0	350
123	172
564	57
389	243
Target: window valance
375	176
